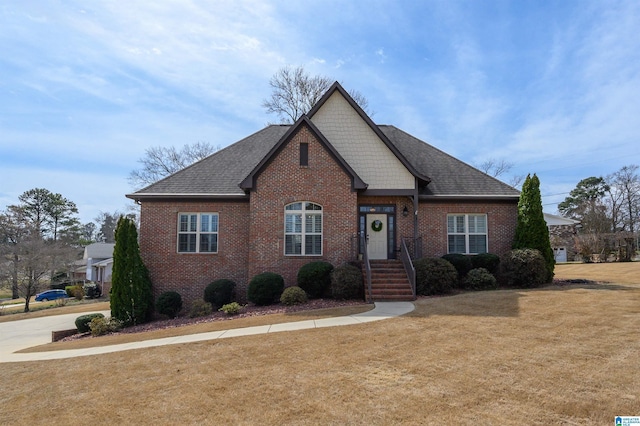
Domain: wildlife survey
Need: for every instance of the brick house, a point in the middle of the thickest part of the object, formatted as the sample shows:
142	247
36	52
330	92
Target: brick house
290	194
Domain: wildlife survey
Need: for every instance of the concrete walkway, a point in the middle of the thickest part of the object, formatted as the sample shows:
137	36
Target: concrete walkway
17	335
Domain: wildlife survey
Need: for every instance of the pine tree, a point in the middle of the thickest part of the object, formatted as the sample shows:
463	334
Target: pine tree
531	230
131	296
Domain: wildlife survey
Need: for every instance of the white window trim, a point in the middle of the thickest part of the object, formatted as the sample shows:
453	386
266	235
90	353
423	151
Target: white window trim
467	233
198	232
303	212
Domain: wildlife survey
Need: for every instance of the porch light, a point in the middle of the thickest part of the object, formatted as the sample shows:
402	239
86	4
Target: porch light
405	211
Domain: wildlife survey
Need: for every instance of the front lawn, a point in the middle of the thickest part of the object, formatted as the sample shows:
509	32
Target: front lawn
557	355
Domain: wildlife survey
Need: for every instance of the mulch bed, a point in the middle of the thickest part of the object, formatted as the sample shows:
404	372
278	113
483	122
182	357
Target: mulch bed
248	311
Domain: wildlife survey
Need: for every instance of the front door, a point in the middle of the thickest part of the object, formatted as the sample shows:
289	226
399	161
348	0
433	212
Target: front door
376	231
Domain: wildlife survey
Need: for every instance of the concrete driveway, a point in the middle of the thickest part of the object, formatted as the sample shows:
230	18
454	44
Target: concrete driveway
22	334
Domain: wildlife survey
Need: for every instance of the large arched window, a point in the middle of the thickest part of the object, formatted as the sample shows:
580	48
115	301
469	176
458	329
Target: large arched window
303	229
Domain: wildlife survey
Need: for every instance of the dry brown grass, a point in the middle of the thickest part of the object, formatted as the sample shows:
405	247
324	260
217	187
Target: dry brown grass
51	308
557	355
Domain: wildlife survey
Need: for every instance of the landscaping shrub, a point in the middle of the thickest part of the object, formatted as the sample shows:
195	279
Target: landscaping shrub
232	308
83	321
523	268
488	261
220	292
434	275
200	308
315	278
293	296
69	289
265	288
169	303
100	326
347	282
92	290
480	279
461	262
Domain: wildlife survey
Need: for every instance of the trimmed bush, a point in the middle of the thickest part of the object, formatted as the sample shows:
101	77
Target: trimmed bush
293	296
523	268
69	289
488	261
169	303
220	292
200	308
480	279
347	282
461	262
232	308
315	278
434	275
265	288
92	290
100	326
83	321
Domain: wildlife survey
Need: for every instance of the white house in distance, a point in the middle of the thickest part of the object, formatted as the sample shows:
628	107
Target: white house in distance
99	258
561	234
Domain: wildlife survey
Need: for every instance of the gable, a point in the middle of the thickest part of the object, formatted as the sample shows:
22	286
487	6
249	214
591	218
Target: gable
360	146
302	124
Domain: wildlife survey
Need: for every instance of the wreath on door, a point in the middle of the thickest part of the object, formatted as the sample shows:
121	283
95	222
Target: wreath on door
376	225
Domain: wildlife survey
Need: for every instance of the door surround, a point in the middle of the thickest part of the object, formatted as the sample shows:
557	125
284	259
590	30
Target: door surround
388	226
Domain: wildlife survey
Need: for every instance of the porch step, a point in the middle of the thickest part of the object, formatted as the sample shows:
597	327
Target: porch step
389	281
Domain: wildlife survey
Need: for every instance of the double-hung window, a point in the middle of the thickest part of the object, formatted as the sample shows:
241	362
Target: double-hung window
303	229
198	233
467	233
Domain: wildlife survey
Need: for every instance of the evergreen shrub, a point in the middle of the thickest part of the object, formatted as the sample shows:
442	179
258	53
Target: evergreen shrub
220	292
461	262
315	278
101	326
523	268
488	261
265	288
347	282
434	275
83	321
232	308
480	279
293	296
200	308
169	303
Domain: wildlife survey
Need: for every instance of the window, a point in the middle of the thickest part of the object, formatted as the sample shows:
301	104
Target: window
467	233
303	229
198	233
304	154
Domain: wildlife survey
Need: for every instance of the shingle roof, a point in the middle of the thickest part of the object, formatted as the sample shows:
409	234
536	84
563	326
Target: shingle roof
449	176
222	173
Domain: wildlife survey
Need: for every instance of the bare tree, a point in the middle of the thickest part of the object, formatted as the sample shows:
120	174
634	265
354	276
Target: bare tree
160	162
295	92
497	168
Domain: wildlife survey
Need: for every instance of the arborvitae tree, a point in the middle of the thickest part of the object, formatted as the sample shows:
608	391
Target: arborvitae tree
531	230
131	297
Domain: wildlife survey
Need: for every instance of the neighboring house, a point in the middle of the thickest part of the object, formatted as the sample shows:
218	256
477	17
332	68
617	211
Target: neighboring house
562	233
291	194
99	261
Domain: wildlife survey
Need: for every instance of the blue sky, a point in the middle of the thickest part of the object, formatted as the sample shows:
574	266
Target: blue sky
86	87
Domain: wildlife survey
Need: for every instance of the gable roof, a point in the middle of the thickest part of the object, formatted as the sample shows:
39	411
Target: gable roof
221	173
98	251
450	177
337	87
231	171
249	181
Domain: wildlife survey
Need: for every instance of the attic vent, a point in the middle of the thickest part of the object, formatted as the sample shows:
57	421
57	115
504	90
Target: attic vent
304	154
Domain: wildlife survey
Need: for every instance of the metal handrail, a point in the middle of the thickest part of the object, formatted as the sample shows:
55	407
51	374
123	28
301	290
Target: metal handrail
367	264
408	266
